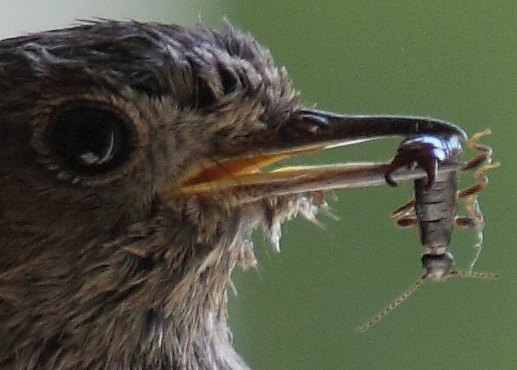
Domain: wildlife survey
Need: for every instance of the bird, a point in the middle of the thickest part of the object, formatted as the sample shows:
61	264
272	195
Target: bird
134	164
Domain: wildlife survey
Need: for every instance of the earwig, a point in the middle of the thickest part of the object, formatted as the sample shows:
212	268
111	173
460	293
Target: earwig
434	208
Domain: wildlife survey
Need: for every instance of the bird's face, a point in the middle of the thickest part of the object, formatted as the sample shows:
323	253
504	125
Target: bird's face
99	120
131	178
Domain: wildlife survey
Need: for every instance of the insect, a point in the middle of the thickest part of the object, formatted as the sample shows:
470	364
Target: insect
434	207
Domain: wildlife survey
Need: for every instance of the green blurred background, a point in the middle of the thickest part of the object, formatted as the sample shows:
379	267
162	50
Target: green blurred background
453	60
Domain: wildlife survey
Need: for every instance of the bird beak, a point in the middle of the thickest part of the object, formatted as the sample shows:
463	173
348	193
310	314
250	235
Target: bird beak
240	170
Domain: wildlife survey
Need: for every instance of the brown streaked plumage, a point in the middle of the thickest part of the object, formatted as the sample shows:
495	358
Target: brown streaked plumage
130	183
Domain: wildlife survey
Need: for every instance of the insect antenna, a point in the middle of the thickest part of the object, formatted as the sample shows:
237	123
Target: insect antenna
415	286
392	305
474	274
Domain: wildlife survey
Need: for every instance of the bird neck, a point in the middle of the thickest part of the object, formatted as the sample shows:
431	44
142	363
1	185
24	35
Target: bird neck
162	308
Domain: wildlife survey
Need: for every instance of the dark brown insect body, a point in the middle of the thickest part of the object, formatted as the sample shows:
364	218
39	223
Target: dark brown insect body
132	174
435	212
435	209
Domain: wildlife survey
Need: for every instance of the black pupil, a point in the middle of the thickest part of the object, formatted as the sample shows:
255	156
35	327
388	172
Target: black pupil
89	139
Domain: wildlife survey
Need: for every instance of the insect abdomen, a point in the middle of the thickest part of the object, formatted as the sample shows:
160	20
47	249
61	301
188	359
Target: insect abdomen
435	209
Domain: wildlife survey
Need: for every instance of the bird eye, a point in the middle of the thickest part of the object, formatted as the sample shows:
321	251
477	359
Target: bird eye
90	138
